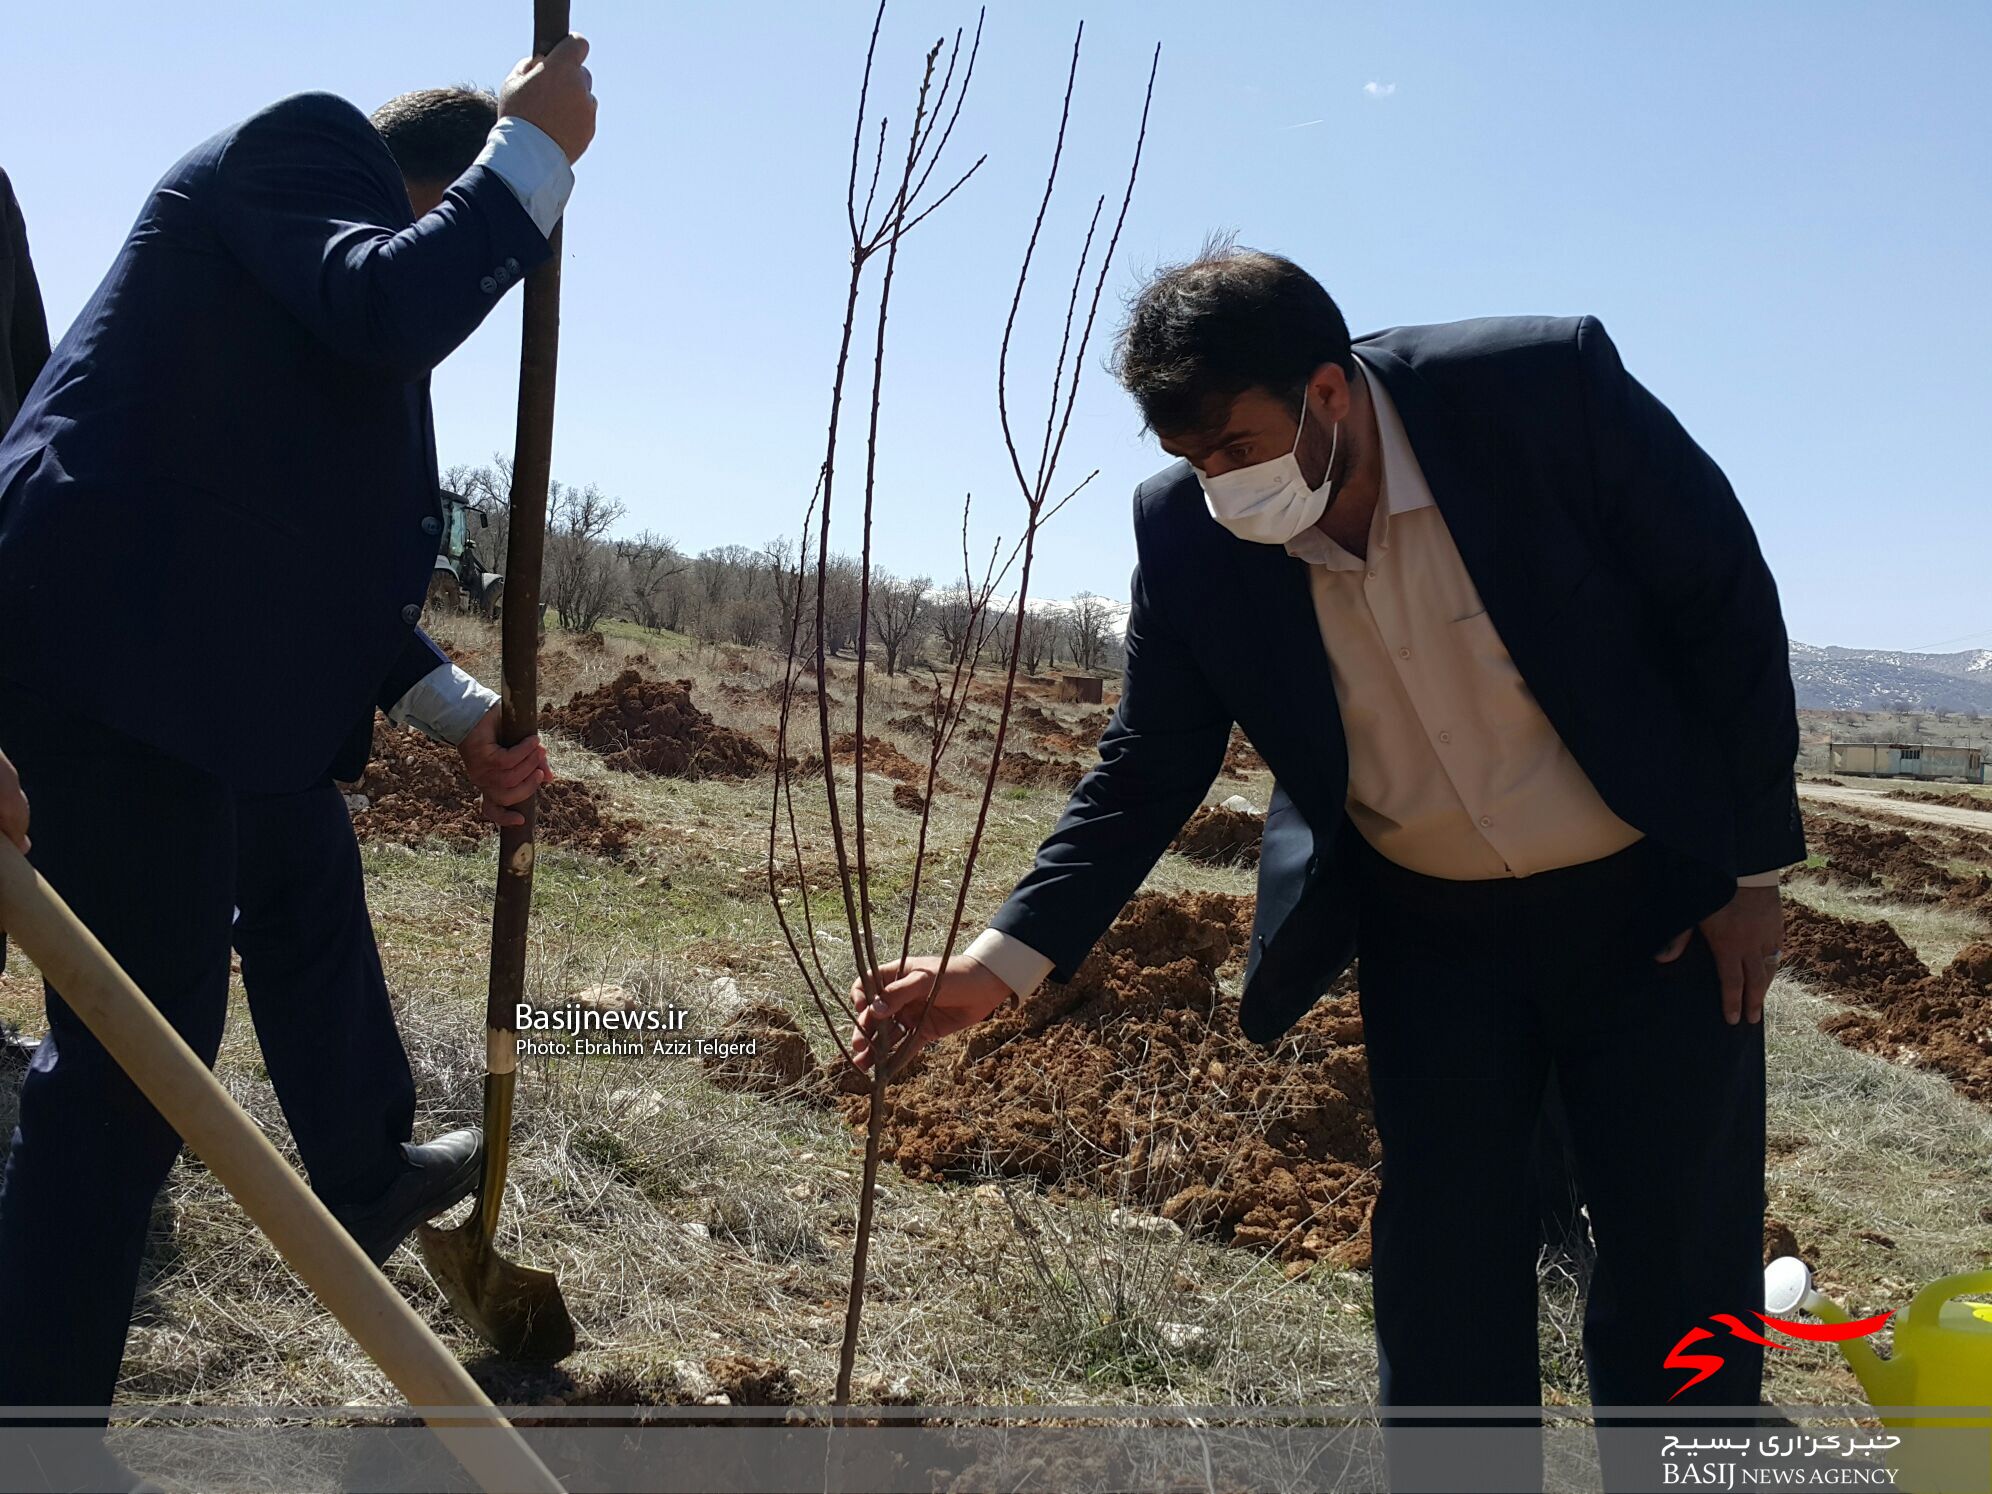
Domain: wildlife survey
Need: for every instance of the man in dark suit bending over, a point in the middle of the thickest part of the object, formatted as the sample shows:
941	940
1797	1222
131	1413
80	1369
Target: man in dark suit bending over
218	516
1505	638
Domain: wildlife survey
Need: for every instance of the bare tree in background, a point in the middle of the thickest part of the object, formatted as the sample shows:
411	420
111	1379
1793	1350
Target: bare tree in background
953	615
837	607
1002	639
786	564
1087	622
898	611
649	561
580	577
901	207
1036	634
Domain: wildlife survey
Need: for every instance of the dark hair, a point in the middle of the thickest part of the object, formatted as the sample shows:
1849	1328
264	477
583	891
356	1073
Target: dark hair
435	133
1198	335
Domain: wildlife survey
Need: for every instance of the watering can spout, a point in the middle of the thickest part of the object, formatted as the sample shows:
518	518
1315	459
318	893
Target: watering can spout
1788	1288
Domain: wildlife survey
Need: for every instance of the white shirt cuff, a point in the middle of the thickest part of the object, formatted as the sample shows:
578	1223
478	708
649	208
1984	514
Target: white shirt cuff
527	161
1010	960
445	704
1761	879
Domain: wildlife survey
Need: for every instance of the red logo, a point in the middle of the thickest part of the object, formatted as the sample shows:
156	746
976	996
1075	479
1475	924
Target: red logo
1705	1365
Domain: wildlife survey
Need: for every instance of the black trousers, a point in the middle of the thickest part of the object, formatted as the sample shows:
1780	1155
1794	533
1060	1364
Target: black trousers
156	858
1473	995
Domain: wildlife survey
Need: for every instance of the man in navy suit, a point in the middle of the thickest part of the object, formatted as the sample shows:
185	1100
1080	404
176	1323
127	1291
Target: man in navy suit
218	515
1505	638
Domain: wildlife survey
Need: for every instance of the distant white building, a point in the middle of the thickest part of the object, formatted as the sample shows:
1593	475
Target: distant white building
1907	760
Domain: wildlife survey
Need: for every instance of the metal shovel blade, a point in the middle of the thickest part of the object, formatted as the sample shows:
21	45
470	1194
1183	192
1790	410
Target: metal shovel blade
518	1310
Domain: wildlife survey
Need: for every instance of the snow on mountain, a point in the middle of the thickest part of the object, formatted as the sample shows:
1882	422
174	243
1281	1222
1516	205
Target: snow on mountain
1863	679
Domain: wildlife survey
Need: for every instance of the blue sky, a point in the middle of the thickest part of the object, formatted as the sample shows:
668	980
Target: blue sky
1781	212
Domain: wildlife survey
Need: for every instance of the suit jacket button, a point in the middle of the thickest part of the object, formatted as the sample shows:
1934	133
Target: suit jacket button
512	265
501	274
411	614
487	285
432	525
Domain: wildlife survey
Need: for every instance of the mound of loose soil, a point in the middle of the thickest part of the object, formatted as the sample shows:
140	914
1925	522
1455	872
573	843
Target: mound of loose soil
1217	836
651	726
881	757
1779	1240
780	1062
415	790
466	659
914	724
1241	758
1943	1022
1955	799
1027	771
908	798
1065	743
746	1381
1077	736
1853	957
1883	856
1134	1082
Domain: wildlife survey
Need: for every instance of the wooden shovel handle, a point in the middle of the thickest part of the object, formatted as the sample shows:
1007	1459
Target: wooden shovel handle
236	1151
525	545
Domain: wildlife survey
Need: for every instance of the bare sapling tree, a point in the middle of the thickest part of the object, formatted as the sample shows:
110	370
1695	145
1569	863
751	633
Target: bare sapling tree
881	213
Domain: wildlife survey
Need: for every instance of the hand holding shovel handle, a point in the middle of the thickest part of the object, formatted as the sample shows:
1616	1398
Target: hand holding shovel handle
516	1309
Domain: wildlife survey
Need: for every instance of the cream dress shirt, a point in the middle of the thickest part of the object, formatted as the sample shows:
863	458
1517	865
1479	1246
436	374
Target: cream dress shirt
1454	771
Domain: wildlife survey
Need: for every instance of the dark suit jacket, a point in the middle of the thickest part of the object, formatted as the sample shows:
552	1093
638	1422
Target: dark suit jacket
218	508
1618	568
23	324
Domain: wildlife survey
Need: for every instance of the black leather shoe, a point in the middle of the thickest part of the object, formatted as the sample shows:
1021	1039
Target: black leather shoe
438	1174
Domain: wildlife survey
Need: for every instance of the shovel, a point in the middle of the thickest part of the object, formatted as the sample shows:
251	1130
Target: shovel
516	1309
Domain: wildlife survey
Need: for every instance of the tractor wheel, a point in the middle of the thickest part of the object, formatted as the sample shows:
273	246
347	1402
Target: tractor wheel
444	595
494	600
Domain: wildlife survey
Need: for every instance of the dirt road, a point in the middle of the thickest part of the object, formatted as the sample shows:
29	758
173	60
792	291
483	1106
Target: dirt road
1877	799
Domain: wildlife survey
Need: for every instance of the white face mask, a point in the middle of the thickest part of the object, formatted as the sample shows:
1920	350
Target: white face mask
1270	502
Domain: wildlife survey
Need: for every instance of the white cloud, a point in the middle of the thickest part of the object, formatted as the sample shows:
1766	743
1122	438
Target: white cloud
1379	90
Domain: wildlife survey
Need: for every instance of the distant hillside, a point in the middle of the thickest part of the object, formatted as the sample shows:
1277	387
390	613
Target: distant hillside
1867	679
